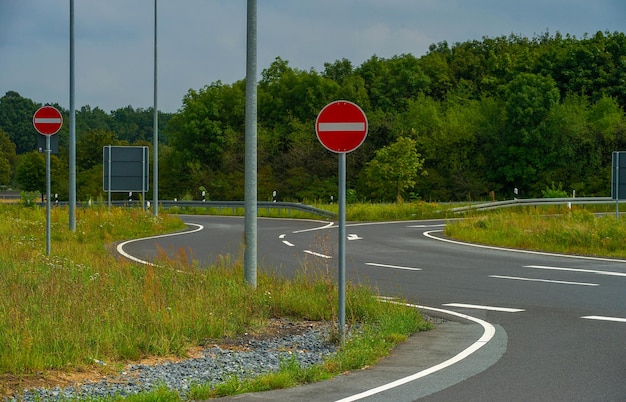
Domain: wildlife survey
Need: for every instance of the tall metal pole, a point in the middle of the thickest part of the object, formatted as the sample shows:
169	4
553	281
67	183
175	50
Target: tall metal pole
250	254
48	152
341	280
72	150
155	137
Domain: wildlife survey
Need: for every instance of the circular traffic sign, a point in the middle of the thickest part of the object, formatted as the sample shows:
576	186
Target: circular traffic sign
341	126
47	120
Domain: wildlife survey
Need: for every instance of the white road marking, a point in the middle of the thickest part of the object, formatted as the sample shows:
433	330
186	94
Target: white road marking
288	243
282	236
488	333
427	226
589	271
543	280
373	264
489	308
327	226
317	254
513	250
353	236
120	247
603	318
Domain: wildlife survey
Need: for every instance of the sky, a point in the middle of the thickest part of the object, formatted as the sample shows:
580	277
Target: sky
201	42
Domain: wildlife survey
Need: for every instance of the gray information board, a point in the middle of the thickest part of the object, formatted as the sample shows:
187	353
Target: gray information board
125	169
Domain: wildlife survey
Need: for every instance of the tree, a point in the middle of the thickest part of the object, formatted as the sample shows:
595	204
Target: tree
8	158
16	119
393	170
30	172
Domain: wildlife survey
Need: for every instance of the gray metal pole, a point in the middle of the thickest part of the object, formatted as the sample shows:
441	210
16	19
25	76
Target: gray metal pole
250	254
341	280
155	137
72	145
48	152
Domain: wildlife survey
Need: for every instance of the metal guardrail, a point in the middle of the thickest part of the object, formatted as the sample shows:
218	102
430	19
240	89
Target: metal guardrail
533	202
167	204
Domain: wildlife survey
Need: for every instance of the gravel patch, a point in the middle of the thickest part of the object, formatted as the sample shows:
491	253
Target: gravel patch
243	357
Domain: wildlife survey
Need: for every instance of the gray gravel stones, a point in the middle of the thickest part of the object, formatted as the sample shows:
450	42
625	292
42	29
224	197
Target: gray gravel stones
251	357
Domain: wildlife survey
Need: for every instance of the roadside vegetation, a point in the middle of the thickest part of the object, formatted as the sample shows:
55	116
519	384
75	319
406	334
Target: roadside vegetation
81	306
571	231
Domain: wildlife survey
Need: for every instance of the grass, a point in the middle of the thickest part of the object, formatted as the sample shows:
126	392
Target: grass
575	231
82	304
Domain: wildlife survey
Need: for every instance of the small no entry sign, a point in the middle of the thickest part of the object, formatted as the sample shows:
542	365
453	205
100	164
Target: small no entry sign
47	120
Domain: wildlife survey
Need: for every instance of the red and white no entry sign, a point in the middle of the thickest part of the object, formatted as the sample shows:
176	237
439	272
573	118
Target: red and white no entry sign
47	120
341	126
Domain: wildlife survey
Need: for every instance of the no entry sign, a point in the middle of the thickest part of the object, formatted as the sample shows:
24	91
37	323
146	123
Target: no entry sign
341	126
47	120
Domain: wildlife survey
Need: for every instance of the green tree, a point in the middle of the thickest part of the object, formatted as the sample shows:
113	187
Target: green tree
16	119
393	170
30	172
8	158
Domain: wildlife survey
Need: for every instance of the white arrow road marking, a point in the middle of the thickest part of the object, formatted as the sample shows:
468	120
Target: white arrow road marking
489	308
588	271
543	280
353	236
373	264
602	318
317	254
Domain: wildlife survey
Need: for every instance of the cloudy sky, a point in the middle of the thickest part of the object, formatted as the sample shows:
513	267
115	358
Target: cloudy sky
204	41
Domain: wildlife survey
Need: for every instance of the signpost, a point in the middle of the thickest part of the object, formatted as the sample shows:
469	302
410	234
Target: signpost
47	120
341	127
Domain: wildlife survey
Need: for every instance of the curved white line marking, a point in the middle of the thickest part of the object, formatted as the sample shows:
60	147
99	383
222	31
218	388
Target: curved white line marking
120	247
581	257
488	334
327	226
288	243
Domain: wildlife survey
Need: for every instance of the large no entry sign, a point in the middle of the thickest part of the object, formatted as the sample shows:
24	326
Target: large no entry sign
341	126
47	120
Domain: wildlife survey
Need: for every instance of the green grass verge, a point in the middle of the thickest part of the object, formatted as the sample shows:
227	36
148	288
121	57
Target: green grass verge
575	231
82	304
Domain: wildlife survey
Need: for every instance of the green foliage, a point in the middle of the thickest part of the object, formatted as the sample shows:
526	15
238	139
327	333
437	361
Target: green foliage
487	116
575	232
554	191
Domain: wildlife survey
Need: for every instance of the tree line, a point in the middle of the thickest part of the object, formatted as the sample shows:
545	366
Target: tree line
471	120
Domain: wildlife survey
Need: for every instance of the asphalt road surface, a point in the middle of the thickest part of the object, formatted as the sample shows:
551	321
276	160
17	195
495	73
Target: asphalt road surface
560	321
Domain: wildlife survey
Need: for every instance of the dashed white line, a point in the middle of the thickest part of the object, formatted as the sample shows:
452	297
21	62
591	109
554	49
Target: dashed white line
603	318
587	271
317	254
517	278
489	308
288	243
373	264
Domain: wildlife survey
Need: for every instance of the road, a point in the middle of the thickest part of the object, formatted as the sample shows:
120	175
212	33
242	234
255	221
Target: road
560	320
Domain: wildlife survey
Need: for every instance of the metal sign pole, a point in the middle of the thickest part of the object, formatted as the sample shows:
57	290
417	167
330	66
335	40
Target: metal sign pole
617	195
342	246
48	151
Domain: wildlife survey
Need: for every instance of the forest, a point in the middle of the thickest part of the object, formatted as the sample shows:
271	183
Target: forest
469	121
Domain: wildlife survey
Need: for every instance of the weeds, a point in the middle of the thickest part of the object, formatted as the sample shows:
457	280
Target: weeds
574	232
82	305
